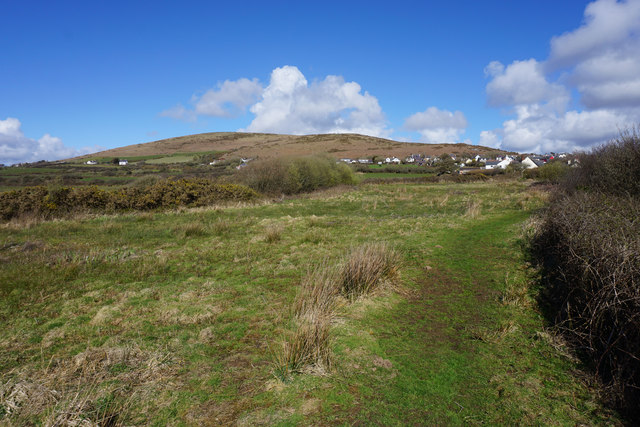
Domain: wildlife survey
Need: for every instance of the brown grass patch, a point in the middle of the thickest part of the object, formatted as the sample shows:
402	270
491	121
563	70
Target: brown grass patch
82	390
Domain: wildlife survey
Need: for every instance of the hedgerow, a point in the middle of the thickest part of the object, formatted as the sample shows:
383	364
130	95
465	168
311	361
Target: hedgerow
46	202
589	247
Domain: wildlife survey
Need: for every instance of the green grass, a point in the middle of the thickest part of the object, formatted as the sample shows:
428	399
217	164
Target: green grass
172	159
175	318
388	175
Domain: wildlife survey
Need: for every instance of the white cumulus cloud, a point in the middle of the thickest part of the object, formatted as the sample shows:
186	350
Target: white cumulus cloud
435	125
17	148
228	99
290	104
521	83
607	23
599	61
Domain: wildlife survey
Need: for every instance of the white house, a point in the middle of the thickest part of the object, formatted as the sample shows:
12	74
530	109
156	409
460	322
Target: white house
530	163
506	162
92	162
494	164
123	162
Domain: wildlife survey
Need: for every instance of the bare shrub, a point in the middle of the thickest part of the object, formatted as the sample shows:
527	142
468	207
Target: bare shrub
613	168
589	246
366	266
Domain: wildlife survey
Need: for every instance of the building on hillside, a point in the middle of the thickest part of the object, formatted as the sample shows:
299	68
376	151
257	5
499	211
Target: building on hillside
91	162
530	163
123	162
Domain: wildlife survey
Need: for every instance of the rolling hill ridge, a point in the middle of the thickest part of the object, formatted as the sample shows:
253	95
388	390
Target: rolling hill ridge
262	145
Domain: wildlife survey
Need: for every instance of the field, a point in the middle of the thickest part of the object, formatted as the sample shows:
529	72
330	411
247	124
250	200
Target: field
179	317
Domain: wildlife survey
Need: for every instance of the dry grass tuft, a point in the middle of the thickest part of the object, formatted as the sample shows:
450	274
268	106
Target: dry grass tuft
221	226
366	267
315	221
494	336
516	292
473	208
307	347
192	229
26	397
318	292
89	409
273	233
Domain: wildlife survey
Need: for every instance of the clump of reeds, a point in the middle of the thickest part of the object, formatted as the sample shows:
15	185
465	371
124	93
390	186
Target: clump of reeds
309	345
313	310
366	267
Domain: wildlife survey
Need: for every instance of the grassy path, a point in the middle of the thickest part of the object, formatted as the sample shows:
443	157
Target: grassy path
454	353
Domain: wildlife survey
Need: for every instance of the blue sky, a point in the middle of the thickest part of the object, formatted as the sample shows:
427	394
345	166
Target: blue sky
527	76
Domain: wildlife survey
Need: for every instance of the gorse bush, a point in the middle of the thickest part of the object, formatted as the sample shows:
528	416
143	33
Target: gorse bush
295	175
589	247
55	202
553	172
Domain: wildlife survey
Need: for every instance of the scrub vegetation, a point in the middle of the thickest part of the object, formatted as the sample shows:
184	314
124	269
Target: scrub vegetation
588	244
389	303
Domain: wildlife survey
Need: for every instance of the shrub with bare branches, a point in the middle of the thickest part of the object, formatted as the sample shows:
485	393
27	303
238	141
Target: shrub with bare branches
589	247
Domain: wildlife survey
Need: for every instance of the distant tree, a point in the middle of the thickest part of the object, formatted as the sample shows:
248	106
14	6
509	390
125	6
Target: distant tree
445	165
115	160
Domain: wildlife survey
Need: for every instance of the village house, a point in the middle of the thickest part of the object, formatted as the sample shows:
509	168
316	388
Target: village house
123	162
530	163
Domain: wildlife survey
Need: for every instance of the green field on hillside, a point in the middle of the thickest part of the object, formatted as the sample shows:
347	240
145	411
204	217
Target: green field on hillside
179	317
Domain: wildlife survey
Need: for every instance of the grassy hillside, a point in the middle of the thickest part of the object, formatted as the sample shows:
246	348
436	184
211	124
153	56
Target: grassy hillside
262	145
178	317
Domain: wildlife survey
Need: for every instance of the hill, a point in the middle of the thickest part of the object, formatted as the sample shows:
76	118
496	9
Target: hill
272	145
